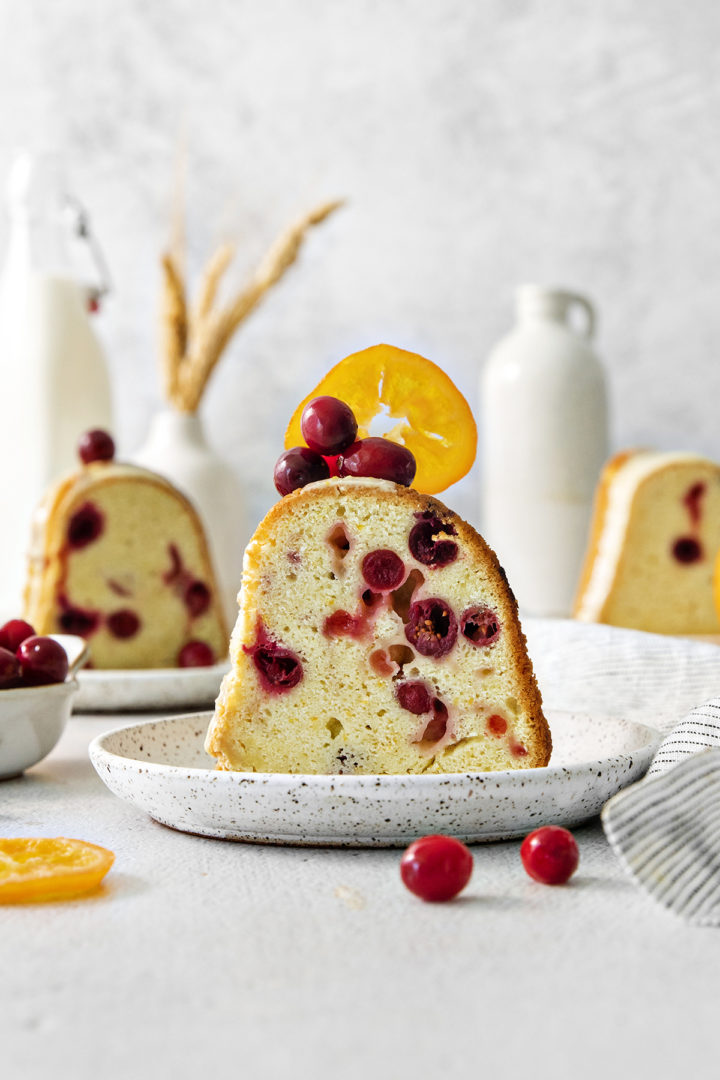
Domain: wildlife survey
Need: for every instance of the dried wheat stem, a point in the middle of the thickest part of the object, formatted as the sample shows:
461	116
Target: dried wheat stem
209	283
193	347
174	324
279	258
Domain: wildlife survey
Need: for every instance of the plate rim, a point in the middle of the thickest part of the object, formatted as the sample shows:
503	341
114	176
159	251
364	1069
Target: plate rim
145	674
374	780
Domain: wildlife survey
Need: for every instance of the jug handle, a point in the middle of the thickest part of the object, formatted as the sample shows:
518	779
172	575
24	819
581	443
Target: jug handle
82	229
575	299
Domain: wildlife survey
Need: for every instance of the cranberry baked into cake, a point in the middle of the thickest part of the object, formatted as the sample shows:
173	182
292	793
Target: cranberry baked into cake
119	557
376	634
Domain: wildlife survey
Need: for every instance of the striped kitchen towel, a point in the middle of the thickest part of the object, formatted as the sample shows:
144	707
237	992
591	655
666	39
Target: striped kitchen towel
666	829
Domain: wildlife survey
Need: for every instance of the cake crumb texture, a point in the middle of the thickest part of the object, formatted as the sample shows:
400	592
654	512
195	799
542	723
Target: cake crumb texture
376	634
653	542
119	557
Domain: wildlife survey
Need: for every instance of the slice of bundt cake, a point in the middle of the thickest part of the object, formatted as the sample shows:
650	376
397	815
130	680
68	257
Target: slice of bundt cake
119	557
653	541
376	634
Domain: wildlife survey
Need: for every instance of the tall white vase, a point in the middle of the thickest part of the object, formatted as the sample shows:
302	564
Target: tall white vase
545	439
176	447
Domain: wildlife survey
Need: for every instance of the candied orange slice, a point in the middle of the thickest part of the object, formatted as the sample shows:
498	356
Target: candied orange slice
421	406
39	868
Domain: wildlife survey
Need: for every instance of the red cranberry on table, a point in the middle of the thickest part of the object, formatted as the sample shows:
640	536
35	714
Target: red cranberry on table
196	654
381	459
436	868
550	855
9	669
13	633
96	445
42	661
298	467
328	425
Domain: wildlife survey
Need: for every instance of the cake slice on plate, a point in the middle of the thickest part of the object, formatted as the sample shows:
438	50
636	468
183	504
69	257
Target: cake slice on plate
654	539
377	633
119	557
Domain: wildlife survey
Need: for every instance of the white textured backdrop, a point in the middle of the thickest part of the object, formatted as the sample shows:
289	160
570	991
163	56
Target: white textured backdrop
480	143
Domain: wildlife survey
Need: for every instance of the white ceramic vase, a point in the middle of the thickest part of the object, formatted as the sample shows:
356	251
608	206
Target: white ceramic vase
176	447
545	437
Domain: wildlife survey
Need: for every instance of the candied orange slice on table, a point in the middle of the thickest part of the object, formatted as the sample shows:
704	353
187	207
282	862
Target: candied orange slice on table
425	411
42	868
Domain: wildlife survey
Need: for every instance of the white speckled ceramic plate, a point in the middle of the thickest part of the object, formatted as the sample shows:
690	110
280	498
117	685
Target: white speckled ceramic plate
162	767
151	688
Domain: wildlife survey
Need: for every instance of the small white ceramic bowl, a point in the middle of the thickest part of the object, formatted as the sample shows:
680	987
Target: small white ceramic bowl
32	718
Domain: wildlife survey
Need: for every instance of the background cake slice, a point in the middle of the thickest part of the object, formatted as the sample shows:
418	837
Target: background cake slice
376	634
653	542
119	557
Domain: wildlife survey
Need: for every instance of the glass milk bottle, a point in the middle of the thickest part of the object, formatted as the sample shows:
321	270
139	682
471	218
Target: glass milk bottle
544	440
52	371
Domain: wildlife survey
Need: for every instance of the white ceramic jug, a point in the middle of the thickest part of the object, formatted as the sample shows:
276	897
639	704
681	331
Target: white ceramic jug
544	438
53	375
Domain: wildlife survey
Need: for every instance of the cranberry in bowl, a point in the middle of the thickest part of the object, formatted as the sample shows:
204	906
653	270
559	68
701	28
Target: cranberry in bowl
37	687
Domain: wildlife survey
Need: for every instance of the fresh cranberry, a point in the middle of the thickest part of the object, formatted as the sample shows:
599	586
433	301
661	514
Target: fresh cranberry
75	620
96	445
197	598
497	725
333	463
432	627
196	654
42	661
9	669
298	467
13	633
86	525
423	543
380	458
278	668
436	868
687	550
480	626
123	624
328	425
413	695
383	569
550	855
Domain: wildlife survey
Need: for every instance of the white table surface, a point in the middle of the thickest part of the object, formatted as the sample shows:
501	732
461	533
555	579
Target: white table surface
203	957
